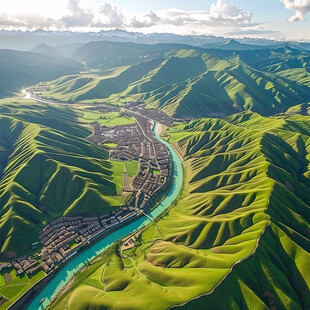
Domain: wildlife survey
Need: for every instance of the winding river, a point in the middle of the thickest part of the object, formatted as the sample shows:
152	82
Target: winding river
81	258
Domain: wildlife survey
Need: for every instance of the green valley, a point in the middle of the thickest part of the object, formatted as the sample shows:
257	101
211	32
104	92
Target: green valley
154	176
240	225
186	81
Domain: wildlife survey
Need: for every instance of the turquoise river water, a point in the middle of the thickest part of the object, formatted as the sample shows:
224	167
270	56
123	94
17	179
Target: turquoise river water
81	258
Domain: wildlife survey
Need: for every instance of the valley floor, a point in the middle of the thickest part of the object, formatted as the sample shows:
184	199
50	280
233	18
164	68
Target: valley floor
240	228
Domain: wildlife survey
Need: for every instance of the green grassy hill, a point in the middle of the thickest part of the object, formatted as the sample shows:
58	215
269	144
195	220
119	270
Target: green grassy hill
268	59
238	237
298	75
20	69
48	170
190	82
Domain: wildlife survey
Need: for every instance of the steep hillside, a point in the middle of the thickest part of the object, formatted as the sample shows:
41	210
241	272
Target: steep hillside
240	228
21	69
47	170
46	49
298	75
268	59
186	82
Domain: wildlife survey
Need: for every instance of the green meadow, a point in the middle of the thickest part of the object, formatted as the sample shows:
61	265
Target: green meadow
132	167
17	286
109	119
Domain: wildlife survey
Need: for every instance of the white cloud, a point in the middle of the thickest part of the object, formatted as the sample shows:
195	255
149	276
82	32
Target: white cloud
28	22
148	20
110	16
300	7
222	13
222	17
77	16
7	21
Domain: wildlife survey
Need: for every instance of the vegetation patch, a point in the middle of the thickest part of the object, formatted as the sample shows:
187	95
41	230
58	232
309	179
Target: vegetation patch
191	82
16	287
111	145
109	119
132	167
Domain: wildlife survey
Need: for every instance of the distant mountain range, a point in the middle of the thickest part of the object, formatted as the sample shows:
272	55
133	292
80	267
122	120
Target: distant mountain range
184	80
212	79
232	44
27	40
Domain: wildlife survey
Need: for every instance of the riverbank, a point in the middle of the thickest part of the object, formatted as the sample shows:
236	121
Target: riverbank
80	259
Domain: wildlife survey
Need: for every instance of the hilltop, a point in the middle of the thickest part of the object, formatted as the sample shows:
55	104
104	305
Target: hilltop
232	44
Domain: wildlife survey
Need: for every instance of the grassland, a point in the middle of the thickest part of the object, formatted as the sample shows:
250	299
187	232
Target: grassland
49	170
109	119
110	145
238	237
240	229
17	286
132	167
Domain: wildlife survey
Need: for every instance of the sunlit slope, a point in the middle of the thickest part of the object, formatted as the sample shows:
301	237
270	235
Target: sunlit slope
47	170
298	75
233	88
268	59
239	233
187	82
94	86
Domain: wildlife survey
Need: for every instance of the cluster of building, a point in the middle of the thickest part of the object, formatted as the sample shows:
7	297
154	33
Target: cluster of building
138	107
38	89
63	237
138	142
5	265
29	265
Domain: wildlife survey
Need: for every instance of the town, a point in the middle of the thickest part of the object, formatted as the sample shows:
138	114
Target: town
137	142
62	238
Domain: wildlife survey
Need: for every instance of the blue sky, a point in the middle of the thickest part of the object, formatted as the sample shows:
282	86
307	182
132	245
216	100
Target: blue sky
275	19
